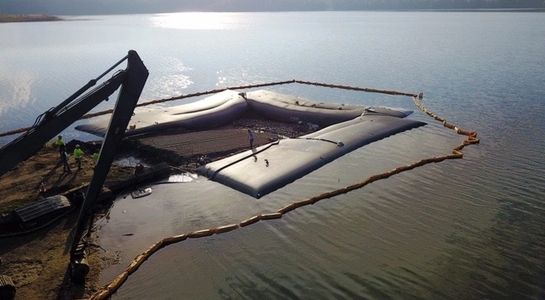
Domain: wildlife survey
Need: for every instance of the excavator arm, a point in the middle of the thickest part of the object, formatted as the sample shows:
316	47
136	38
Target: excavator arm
52	122
55	120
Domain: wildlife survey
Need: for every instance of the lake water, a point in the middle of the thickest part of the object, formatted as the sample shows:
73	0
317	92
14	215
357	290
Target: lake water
464	229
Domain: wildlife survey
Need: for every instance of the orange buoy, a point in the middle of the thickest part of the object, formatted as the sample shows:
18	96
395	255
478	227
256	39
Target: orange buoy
305	202
225	228
200	233
275	215
175	239
457	154
136	263
250	221
288	208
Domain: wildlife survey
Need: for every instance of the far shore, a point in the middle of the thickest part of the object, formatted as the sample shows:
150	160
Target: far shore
28	18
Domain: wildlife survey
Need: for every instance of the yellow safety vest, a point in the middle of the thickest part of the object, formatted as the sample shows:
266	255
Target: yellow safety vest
78	153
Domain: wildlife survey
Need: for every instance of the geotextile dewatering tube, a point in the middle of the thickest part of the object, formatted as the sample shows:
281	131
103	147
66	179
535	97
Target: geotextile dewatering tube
214	91
471	139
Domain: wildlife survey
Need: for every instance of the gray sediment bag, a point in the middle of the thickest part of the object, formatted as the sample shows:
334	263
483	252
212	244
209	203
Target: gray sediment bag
213	111
293	109
224	107
260	171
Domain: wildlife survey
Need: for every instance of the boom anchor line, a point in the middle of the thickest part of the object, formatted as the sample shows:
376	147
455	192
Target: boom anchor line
471	139
240	87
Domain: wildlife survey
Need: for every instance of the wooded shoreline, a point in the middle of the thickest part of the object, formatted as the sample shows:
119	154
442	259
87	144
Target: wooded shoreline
27	18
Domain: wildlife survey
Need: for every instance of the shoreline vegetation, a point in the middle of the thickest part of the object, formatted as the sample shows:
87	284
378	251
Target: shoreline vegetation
20	18
9	18
23	18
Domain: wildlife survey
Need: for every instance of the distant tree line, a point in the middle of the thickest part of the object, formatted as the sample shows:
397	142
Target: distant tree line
76	7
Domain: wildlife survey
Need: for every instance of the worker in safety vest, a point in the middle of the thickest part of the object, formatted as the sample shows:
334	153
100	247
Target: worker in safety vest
95	157
78	153
251	138
59	143
64	159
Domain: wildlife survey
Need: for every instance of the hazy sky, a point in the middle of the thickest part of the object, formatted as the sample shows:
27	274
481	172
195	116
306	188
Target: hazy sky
151	6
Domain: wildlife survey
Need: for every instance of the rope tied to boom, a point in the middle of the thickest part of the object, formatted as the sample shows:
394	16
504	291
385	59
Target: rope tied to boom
214	91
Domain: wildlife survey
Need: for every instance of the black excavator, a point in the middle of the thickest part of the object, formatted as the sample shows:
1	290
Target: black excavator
55	120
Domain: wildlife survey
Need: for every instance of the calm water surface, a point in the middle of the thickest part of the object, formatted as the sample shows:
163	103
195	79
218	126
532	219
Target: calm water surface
465	229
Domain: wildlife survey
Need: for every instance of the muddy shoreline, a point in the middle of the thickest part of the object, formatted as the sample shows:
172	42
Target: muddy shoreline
38	262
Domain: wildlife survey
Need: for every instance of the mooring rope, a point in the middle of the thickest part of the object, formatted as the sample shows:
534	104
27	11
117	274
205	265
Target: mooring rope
355	88
471	138
253	154
339	144
214	91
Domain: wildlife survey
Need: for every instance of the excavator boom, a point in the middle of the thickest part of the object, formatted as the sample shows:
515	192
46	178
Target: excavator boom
55	120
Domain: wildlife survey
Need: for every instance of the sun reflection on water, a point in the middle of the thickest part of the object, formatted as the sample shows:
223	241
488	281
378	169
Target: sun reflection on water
16	90
197	21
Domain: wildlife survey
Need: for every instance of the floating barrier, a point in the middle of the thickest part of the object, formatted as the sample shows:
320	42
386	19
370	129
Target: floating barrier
225	107
214	111
293	158
200	233
291	109
288	208
241	87
226	228
354	88
250	221
174	239
271	216
192	95
471	139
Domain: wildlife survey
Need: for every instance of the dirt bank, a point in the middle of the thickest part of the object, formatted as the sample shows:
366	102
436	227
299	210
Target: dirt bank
42	176
38	262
